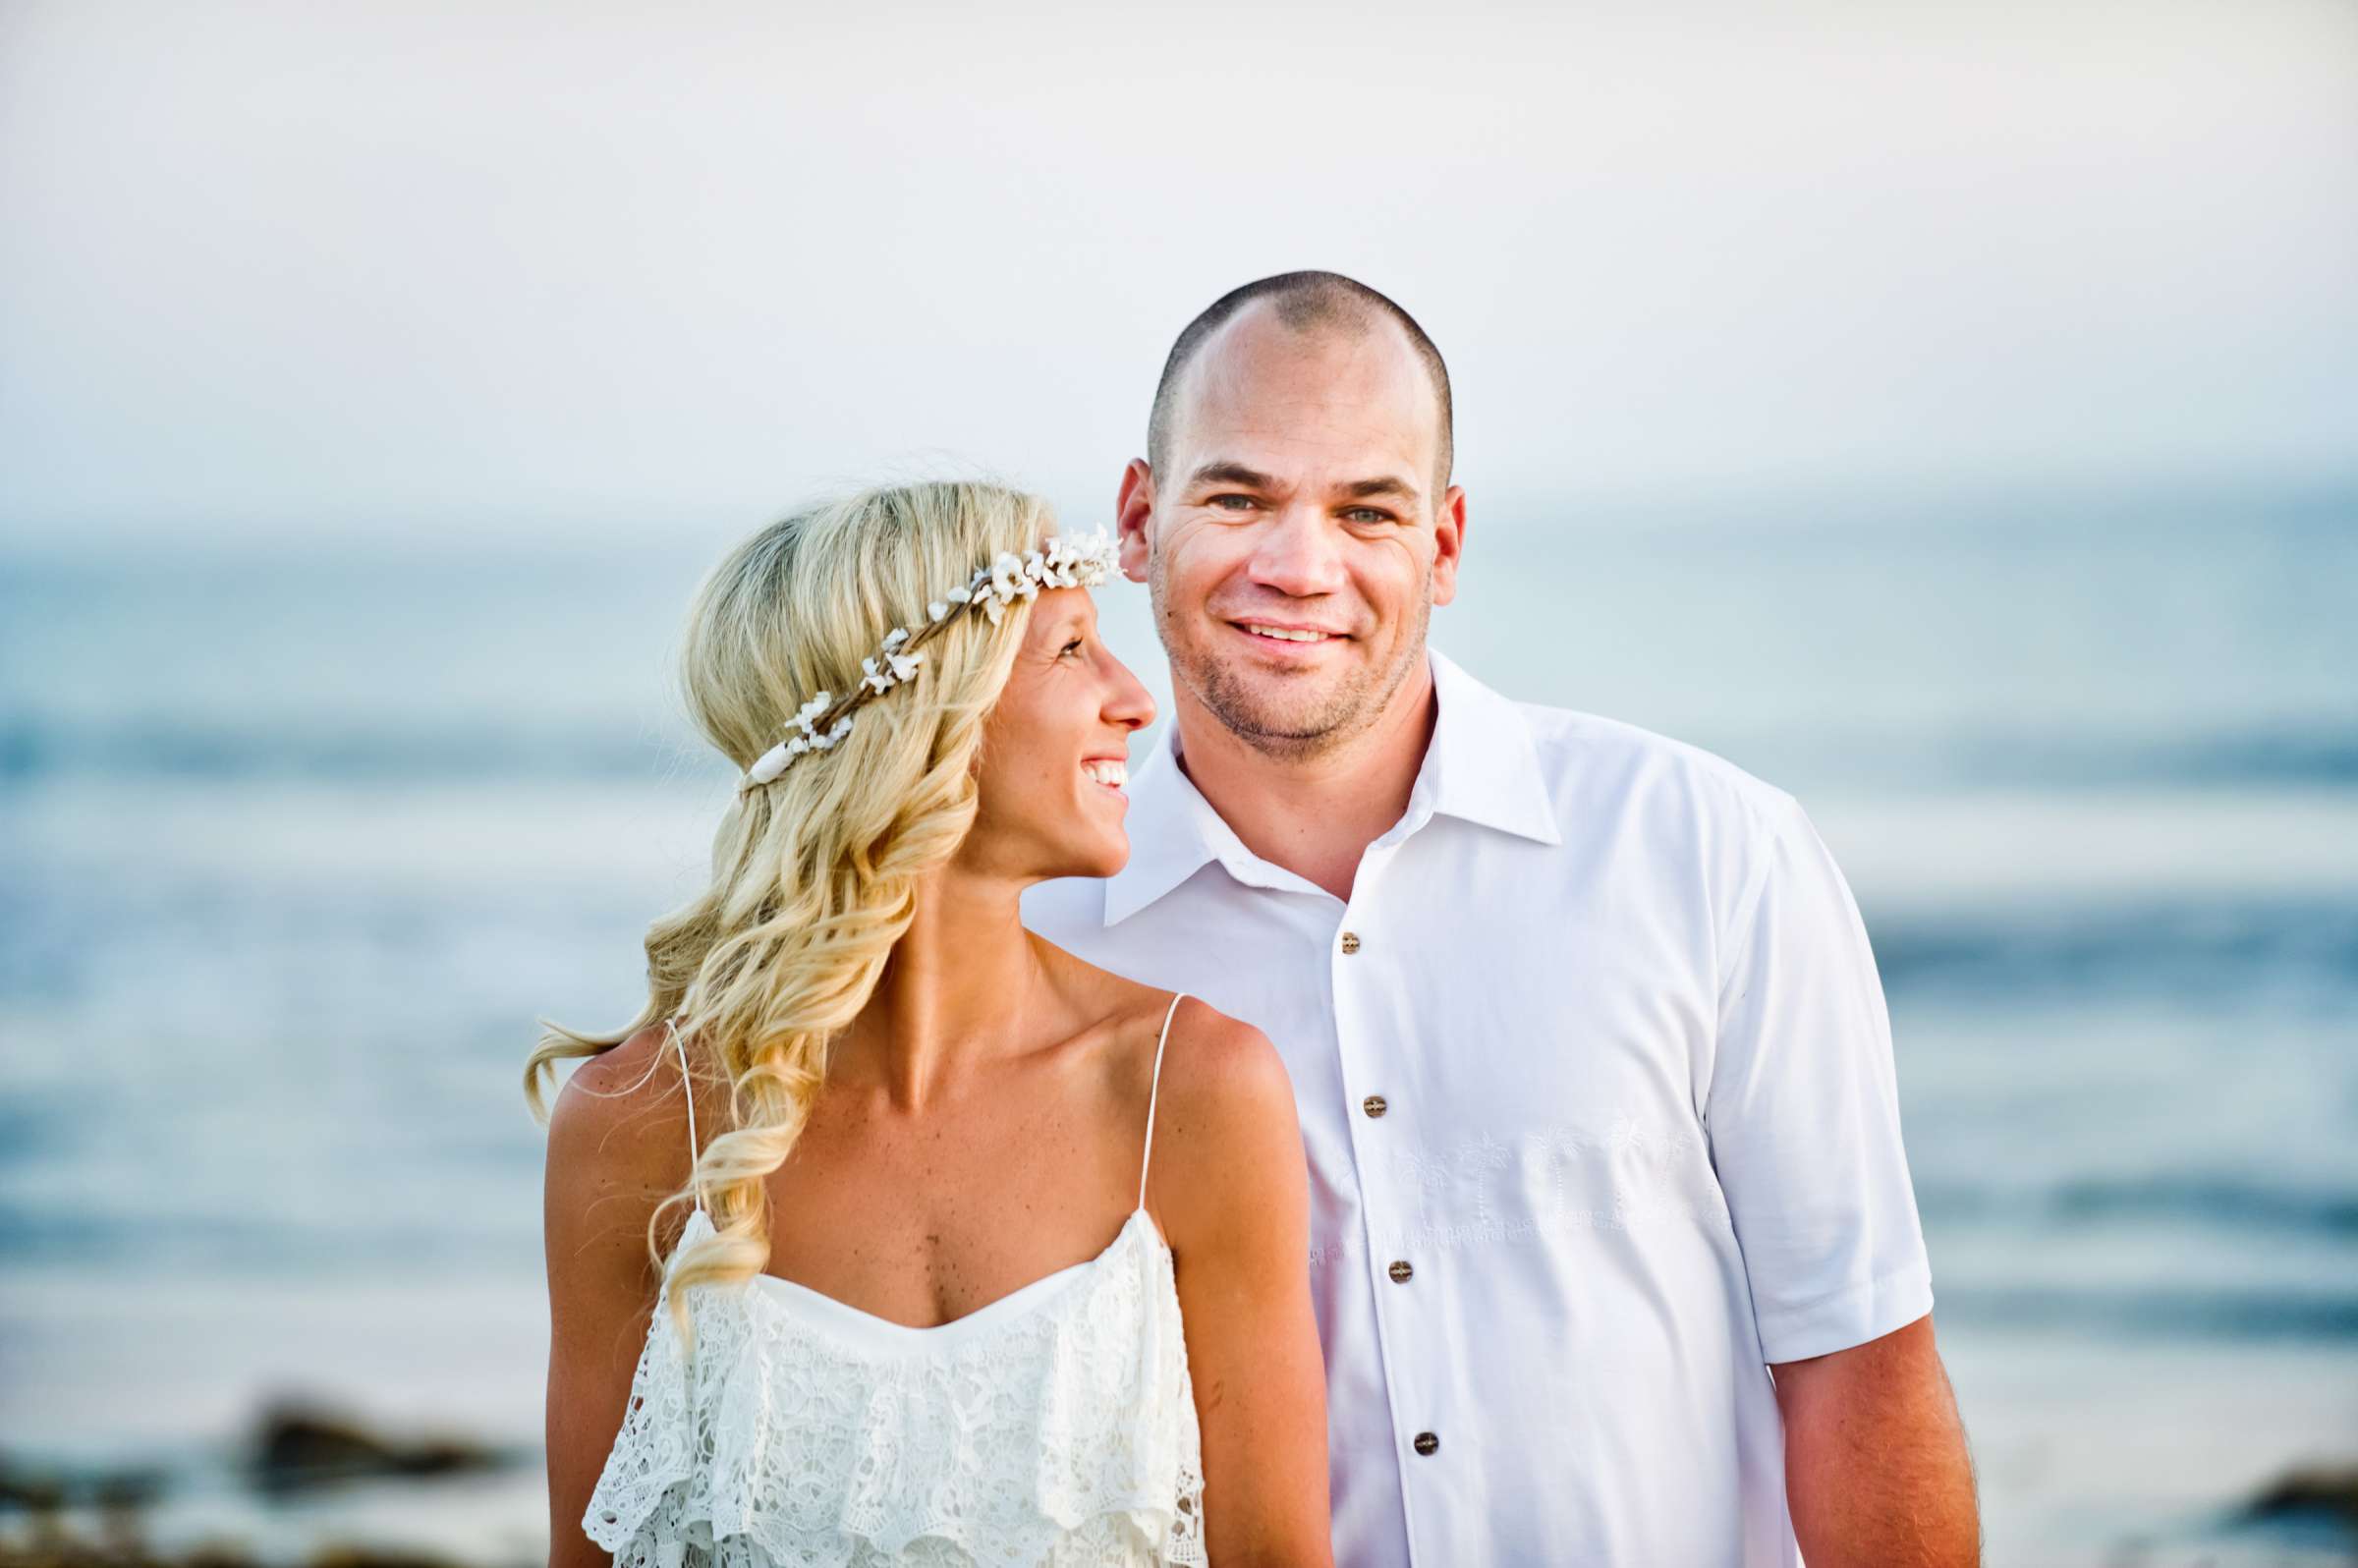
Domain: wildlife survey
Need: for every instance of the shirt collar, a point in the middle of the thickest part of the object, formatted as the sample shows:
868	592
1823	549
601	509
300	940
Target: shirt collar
1480	767
1483	765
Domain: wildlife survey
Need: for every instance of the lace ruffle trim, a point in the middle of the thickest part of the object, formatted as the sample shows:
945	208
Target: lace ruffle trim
1066	1425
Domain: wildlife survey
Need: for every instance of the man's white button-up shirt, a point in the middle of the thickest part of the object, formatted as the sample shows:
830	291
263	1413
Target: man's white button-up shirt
1596	1083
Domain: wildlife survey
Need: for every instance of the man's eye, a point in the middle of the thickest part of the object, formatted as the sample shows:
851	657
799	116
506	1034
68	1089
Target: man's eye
1368	514
1233	503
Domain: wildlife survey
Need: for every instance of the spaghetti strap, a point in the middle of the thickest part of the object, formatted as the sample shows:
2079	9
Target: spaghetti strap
1153	1090
688	1090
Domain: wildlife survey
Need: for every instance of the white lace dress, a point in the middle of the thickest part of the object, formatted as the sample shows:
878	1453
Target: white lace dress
1055	1425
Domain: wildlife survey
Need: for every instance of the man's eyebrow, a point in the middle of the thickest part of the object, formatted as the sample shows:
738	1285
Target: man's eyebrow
1231	473
1364	490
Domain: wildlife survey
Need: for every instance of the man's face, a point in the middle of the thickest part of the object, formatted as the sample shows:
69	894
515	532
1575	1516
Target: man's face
1294	543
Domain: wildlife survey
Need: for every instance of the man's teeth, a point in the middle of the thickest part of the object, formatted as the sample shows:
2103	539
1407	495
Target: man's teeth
1116	774
1286	634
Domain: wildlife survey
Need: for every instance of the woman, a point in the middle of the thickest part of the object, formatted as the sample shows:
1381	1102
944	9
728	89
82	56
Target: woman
890	1233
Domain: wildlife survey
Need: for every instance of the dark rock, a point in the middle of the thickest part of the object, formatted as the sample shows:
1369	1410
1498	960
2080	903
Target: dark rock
372	1558
2329	1490
298	1447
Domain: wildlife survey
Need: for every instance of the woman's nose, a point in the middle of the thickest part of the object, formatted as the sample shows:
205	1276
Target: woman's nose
1129	704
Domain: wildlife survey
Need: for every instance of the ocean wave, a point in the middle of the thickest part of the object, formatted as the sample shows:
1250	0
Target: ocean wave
2305	757
2231	1202
2156	1311
485	749
2183	946
37	751
2320	754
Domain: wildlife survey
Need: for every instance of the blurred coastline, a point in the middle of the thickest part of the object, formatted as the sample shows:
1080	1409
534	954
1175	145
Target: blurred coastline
294	846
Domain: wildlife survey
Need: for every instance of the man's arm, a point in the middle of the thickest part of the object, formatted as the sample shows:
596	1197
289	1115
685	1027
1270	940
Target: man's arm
1803	1117
1876	1474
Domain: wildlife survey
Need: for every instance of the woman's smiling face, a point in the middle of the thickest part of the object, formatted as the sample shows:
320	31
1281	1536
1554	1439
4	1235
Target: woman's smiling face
1053	776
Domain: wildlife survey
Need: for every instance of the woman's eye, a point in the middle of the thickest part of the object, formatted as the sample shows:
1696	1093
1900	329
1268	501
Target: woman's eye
1069	646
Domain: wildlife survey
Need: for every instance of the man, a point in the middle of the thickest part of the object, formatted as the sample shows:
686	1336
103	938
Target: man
1591	1055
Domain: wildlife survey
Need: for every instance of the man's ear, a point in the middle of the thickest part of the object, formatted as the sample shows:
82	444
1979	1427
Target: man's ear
1448	543
1133	510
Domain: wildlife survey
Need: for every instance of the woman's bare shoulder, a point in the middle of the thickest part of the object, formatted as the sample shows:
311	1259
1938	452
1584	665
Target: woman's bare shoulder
1224	1077
1219	1043
618	1133
1213	1066
1228	1179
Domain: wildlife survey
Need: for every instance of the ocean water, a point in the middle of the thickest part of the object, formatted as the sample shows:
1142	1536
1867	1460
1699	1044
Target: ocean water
295	846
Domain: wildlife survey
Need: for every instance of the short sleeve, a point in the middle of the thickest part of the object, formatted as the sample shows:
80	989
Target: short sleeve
1802	1109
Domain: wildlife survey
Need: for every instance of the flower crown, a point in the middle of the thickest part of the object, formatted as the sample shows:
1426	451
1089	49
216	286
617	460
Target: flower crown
826	719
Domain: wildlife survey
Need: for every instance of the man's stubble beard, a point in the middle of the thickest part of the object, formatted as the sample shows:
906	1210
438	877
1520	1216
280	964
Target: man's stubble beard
1349	708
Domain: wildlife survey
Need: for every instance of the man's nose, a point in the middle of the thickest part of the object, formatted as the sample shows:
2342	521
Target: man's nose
1297	554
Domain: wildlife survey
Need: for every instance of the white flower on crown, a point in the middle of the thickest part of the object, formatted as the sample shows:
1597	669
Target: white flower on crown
889	667
1082	562
1004	573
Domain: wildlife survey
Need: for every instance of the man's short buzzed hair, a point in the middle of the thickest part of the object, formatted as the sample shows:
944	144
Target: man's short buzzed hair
1305	302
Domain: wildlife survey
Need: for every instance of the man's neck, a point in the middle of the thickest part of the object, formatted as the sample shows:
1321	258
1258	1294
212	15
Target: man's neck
1313	816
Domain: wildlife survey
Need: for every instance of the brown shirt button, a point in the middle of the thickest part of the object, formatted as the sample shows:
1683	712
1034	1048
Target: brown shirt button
1427	1443
1401	1271
1350	942
1374	1105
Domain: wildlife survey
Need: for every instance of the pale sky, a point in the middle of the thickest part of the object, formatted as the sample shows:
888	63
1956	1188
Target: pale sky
301	270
